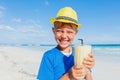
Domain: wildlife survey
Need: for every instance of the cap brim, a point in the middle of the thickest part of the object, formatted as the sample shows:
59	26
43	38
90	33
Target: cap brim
52	20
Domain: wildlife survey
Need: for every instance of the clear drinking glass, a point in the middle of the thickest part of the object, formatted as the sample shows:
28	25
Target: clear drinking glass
80	52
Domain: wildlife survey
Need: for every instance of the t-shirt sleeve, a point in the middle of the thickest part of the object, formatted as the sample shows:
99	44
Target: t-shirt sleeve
46	68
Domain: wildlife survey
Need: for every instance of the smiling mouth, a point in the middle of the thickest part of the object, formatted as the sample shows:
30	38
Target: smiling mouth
64	41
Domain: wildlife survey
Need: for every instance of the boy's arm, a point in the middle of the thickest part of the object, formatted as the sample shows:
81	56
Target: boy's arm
65	77
88	75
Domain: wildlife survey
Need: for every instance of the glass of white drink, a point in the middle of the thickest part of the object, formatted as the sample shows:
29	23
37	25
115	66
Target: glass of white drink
80	52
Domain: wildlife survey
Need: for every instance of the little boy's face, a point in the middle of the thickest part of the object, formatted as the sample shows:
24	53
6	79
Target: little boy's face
64	34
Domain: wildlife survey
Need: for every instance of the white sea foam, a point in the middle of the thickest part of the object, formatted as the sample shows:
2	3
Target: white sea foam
107	50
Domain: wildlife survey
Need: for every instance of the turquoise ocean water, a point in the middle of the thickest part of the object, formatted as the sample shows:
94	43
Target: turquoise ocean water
109	52
104	52
97	49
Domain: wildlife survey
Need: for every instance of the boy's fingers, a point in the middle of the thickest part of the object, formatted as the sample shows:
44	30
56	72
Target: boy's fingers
89	59
90	55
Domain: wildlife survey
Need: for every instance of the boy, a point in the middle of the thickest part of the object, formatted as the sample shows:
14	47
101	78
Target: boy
58	63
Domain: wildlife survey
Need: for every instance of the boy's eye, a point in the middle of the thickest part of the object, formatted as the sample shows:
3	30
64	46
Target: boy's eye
58	30
69	32
61	31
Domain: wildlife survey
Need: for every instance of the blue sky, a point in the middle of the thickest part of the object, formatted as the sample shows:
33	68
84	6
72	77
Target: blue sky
27	21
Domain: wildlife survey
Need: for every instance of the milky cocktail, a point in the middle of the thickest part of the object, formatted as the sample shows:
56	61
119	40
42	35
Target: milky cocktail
80	52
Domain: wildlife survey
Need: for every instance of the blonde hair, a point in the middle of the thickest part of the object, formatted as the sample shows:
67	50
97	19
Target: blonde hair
58	24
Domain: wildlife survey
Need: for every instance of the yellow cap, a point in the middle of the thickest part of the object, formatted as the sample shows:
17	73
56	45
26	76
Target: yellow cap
67	15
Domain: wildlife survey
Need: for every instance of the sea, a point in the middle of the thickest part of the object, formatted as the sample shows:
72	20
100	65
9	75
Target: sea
102	52
105	52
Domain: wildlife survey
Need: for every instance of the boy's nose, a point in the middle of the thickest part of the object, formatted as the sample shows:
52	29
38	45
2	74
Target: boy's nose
64	35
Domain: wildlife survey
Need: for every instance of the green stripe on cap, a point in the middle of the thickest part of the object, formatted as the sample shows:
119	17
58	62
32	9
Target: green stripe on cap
66	18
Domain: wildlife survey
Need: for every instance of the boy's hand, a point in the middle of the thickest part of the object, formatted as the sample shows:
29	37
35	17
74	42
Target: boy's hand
77	72
89	61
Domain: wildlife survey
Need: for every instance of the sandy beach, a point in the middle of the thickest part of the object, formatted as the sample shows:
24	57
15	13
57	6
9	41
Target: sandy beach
22	64
106	69
18	63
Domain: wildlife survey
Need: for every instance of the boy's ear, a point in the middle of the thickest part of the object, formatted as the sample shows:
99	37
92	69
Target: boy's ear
76	31
53	29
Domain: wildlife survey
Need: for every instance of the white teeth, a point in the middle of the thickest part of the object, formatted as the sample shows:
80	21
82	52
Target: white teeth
64	40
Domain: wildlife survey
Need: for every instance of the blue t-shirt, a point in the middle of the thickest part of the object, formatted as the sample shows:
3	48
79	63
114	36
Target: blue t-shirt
54	65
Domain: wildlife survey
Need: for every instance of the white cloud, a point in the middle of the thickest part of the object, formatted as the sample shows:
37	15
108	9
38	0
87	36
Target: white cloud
5	27
24	26
18	20
1	11
2	8
30	26
28	29
104	38
34	23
